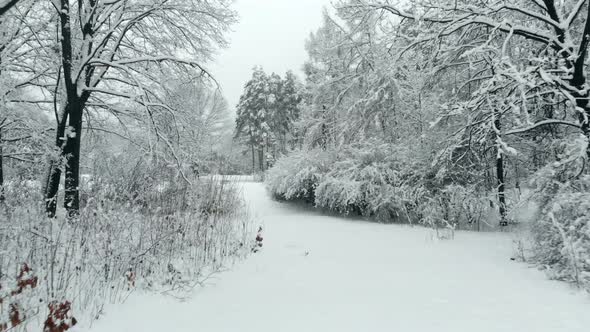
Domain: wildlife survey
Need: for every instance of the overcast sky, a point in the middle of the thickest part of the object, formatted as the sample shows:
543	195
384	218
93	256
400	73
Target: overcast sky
271	33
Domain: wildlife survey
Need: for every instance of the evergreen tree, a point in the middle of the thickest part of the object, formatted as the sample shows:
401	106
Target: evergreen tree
252	115
266	114
291	101
276	114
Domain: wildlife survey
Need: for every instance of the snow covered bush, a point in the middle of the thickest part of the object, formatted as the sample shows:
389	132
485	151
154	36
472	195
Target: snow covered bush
378	180
561	234
370	178
166	240
455	206
367	178
297	175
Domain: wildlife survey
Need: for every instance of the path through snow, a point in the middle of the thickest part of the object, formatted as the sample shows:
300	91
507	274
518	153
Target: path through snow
360	276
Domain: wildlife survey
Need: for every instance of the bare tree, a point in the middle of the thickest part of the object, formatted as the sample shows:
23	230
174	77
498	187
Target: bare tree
113	50
516	59
558	32
25	78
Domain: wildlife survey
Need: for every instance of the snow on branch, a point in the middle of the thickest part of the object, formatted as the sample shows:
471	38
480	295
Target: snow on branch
541	123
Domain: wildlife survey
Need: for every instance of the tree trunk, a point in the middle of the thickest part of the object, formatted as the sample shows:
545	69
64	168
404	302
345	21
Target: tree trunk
253	159
579	81
52	187
500	178
582	104
2	198
586	131
584	118
501	189
261	158
73	111
72	154
324	138
54	172
266	159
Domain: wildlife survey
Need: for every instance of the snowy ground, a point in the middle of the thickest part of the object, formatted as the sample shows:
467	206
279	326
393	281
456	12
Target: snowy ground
320	273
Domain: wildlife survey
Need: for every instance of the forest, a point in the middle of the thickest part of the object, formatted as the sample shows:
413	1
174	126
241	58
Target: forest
456	115
124	167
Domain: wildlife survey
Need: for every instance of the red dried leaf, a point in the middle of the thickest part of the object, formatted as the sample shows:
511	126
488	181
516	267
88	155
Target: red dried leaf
60	318
25	278
15	315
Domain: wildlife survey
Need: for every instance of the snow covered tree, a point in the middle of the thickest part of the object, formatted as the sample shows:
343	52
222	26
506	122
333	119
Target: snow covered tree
519	67
540	46
266	113
374	78
252	115
201	120
276	116
112	51
25	78
289	110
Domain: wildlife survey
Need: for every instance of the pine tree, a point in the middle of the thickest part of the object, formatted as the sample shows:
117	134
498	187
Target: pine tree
266	113
252	115
290	101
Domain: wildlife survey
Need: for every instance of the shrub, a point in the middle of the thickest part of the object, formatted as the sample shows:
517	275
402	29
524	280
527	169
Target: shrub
561	234
455	206
371	178
167	239
297	175
378	180
365	179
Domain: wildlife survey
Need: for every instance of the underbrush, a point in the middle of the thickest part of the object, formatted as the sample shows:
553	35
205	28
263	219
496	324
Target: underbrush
296	176
376	180
381	181
560	238
457	207
145	230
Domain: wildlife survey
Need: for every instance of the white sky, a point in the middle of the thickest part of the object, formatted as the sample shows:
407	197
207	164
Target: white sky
271	33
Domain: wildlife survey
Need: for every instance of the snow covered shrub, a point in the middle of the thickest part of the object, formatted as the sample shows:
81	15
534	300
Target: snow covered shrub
139	182
297	175
378	180
360	174
455	206
561	234
18	191
371	178
164	242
